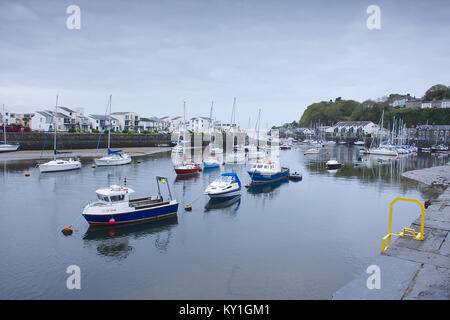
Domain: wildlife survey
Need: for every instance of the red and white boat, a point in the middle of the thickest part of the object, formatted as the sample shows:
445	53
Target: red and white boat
187	167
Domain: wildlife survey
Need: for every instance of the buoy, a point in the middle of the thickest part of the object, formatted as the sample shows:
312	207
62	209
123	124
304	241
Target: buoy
139	161
27	174
112	233
112	221
327	152
200	169
67	231
247	185
223	163
93	166
188	208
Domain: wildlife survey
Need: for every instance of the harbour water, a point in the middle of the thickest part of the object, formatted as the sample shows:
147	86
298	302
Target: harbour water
291	240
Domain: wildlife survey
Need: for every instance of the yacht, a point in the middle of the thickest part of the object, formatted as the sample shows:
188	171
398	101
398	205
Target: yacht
5	147
226	186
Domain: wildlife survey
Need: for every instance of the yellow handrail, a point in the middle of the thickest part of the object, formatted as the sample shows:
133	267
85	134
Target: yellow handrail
408	232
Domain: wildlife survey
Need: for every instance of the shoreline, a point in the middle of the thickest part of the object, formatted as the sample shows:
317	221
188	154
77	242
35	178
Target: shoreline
78	153
413	269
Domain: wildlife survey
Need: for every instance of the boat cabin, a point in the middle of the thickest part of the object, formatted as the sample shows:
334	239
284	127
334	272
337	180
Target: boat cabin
114	194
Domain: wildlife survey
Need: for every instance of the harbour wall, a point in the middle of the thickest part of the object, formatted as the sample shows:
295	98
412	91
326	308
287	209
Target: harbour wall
36	140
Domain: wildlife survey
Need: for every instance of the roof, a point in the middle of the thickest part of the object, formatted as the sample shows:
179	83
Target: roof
58	114
352	123
433	127
101	117
44	114
66	109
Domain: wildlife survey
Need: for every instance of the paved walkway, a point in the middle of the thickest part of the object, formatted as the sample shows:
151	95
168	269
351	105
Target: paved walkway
412	269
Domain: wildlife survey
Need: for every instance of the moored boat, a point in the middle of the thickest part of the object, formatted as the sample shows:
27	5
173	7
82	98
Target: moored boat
187	167
333	164
211	162
115	207
268	171
7	147
226	186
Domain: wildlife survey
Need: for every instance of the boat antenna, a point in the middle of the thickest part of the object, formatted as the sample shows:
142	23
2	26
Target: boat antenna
54	124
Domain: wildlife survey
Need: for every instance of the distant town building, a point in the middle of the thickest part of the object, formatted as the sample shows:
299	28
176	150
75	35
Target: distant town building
103	122
353	128
41	121
433	133
128	121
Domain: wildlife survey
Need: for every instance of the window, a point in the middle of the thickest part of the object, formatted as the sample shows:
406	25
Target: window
119	197
102	198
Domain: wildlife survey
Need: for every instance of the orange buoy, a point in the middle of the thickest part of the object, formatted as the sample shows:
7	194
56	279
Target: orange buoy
112	221
188	208
223	163
27	174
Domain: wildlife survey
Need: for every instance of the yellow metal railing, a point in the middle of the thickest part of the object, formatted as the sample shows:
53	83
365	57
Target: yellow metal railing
406	232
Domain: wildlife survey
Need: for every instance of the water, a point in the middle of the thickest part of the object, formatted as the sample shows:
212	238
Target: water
292	240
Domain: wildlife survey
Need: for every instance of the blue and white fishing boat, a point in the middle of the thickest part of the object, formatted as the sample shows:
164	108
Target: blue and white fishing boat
115	207
268	171
227	186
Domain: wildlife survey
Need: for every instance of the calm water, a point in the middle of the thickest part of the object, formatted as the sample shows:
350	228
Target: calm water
294	240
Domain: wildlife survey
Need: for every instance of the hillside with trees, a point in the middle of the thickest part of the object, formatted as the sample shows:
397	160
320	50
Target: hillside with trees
330	112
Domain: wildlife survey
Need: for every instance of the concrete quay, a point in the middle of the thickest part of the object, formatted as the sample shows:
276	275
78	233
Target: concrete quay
412	269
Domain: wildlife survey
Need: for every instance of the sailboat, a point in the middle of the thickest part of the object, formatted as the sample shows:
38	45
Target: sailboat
383	150
186	166
5	147
58	164
113	158
211	161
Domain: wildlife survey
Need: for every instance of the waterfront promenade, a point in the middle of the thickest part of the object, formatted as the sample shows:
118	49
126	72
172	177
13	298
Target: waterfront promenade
412	269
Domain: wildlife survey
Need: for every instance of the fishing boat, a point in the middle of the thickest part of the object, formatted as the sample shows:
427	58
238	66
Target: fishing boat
333	164
115	207
113	158
56	165
5	147
226	186
267	171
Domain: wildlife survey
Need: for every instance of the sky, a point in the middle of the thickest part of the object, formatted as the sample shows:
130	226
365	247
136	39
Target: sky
277	56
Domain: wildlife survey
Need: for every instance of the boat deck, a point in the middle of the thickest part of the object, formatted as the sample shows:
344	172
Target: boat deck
147	202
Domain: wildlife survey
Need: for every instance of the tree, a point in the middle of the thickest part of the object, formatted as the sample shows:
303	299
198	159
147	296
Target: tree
437	92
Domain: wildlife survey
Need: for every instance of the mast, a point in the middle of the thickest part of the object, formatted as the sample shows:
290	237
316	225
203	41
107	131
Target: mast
54	124
4	123
109	127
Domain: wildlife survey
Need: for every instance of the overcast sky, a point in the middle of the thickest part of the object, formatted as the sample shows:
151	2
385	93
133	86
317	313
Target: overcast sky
279	56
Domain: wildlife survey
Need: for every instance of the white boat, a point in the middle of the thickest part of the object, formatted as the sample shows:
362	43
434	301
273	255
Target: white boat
312	151
383	151
227	186
359	143
5	147
333	164
113	158
331	143
56	165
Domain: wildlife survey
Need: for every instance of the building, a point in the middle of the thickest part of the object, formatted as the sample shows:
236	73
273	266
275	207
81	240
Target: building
352	129
100	122
152	124
433	134
128	121
413	104
199	124
41	121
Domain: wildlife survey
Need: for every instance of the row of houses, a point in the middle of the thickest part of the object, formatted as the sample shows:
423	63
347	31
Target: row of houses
409	102
67	119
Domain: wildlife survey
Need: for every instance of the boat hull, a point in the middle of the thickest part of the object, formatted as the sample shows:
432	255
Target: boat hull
258	178
224	195
9	147
187	171
110	161
134	216
50	167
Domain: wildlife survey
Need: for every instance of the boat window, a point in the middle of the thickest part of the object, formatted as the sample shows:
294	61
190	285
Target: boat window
260	165
266	166
103	198
119	197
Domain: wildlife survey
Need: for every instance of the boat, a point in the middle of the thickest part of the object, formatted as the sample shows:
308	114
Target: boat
267	171
285	147
360	161
331	143
296	176
211	162
359	143
439	148
342	142
226	186
384	151
5	147
333	164
187	167
312	151
56	165
114	207
113	158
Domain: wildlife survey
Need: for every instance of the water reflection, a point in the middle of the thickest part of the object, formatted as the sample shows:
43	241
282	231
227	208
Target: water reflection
272	188
113	242
232	204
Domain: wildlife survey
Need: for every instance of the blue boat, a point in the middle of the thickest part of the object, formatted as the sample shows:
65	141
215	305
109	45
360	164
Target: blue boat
268	171
115	207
